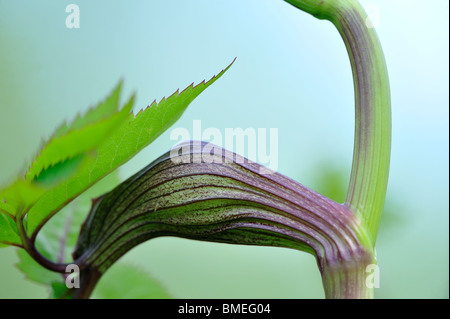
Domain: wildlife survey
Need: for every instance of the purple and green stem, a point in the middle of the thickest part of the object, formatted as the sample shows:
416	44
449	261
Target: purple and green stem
230	201
371	156
223	197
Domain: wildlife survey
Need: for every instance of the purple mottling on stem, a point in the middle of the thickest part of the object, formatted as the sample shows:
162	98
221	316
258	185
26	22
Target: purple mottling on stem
272	203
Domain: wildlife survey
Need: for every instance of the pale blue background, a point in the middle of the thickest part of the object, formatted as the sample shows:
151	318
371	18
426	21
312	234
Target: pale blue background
292	72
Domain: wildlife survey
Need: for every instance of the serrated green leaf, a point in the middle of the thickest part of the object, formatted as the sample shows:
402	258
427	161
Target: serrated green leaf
129	282
102	111
135	134
20	194
65	152
77	141
59	171
6	208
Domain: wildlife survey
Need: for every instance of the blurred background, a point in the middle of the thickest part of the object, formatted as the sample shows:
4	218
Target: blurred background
292	73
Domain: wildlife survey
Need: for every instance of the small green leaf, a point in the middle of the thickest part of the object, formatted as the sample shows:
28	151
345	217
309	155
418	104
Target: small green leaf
35	272
136	133
58	237
54	282
102	111
59	171
21	194
6	208
8	231
65	152
79	140
128	282
59	290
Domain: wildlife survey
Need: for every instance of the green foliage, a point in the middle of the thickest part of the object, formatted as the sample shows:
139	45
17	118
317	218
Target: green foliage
8	231
125	281
35	272
76	165
81	153
57	239
83	135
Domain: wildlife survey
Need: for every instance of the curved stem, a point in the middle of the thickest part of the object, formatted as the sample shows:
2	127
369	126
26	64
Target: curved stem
226	200
348	280
231	201
371	157
30	247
